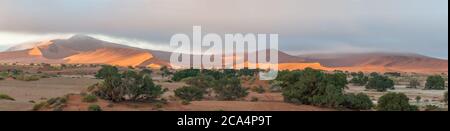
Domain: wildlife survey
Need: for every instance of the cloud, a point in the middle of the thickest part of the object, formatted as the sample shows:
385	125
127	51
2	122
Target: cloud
403	25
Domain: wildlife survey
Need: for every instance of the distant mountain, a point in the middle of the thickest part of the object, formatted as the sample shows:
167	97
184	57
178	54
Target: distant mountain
81	49
381	62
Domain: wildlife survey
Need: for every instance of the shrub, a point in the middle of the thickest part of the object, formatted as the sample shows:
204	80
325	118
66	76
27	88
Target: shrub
165	71
414	83
39	106
202	81
180	75
185	102
229	89
380	83
314	87
435	83
190	93
24	77
395	102
258	89
106	71
90	98
359	101
418	98
94	108
254	99
359	79
6	97
127	86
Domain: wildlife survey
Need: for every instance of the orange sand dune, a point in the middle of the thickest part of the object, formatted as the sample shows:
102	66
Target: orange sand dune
113	56
35	52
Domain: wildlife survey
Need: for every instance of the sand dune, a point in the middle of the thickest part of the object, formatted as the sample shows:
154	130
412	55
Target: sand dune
113	56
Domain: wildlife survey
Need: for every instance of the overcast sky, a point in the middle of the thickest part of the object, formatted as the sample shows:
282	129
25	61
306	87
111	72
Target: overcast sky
304	26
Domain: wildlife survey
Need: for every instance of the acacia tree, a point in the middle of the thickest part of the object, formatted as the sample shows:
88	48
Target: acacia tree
380	83
395	102
435	83
229	89
414	83
359	79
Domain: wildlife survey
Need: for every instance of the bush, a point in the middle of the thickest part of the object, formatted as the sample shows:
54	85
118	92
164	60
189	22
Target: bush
229	89
314	87
106	71
24	77
90	98
395	102
358	102
435	83
258	89
127	86
190	93
414	83
380	83
94	108
254	99
180	75
359	79
202	81
165	71
6	97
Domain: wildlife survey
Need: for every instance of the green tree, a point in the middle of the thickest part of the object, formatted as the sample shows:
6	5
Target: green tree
106	71
359	79
395	102
380	83
359	101
180	75
435	83
165	71
229	89
190	93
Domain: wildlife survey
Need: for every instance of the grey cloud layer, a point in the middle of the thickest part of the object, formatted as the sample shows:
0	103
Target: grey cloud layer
304	25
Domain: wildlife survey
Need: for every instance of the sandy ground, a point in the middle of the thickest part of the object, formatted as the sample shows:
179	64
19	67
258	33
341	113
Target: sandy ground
24	92
429	97
75	104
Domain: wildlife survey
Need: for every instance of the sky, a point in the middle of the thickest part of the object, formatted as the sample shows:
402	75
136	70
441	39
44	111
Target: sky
304	26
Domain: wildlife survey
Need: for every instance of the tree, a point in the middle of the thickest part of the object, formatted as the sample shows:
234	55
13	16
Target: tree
359	79
315	87
146	71
165	71
359	101
128	85
418	99
180	75
202	81
106	71
435	83
380	83
414	83
229	89
190	93
395	102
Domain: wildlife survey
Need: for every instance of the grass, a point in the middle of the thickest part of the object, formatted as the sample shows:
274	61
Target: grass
27	77
6	97
90	98
94	107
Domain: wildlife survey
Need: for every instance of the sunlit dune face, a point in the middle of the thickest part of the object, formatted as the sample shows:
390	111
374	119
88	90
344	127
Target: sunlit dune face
111	56
35	52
